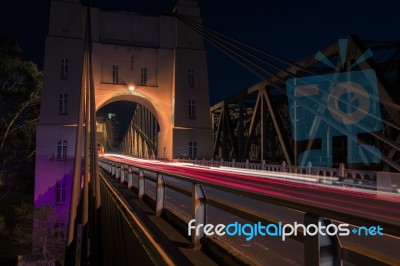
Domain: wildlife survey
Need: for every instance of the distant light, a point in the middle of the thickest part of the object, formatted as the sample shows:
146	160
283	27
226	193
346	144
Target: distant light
131	88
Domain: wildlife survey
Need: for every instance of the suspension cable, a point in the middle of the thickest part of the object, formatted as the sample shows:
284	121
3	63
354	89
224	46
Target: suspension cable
216	40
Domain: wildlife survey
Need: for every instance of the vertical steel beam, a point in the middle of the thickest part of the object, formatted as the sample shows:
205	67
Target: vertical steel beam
263	125
278	127
240	133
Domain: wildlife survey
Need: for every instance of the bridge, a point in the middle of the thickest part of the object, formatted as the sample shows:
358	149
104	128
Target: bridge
257	163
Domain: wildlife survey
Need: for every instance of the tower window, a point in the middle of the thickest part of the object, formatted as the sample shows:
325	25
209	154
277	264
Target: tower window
64	68
132	61
62	150
59	231
192	150
192	109
115	74
60	192
143	76
191	77
63	101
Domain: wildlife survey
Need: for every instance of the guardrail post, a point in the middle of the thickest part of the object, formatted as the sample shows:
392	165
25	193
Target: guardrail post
108	167
160	194
140	184
130	178
309	167
199	212
341	170
123	174
117	171
320	249
113	169
283	166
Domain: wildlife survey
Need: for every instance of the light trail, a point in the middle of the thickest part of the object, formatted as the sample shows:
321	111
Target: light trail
329	197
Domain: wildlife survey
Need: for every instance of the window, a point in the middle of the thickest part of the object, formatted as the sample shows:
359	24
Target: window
192	109
192	150
64	68
60	192
59	231
62	150
63	103
143	76
115	73
191	77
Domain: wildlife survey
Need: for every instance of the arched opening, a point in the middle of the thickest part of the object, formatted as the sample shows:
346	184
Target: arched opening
128	127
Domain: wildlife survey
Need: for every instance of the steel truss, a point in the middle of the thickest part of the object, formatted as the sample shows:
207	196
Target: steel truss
255	124
141	137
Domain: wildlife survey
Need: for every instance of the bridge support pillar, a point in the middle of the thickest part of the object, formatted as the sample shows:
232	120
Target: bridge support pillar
320	249
140	184
199	212
160	194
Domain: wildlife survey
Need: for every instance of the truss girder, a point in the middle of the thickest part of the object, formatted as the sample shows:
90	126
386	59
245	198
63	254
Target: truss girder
255	123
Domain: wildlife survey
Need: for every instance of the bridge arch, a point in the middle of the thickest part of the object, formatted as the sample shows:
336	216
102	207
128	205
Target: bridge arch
156	125
158	111
160	107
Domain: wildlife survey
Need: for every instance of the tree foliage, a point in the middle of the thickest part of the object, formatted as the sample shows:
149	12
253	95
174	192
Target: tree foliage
49	242
22	232
20	84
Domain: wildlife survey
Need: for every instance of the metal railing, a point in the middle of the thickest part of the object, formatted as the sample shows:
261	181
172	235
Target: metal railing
126	228
341	171
383	182
312	214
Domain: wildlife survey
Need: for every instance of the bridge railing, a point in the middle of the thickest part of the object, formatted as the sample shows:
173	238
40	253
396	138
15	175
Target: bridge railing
348	177
128	243
313	245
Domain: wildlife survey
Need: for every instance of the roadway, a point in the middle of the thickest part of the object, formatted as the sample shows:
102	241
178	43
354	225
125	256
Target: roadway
303	190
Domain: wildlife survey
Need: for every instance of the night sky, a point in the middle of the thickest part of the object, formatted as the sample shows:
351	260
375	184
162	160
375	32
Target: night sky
290	29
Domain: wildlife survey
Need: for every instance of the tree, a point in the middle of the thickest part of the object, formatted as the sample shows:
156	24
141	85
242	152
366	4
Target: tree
20	84
48	239
22	232
2	223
